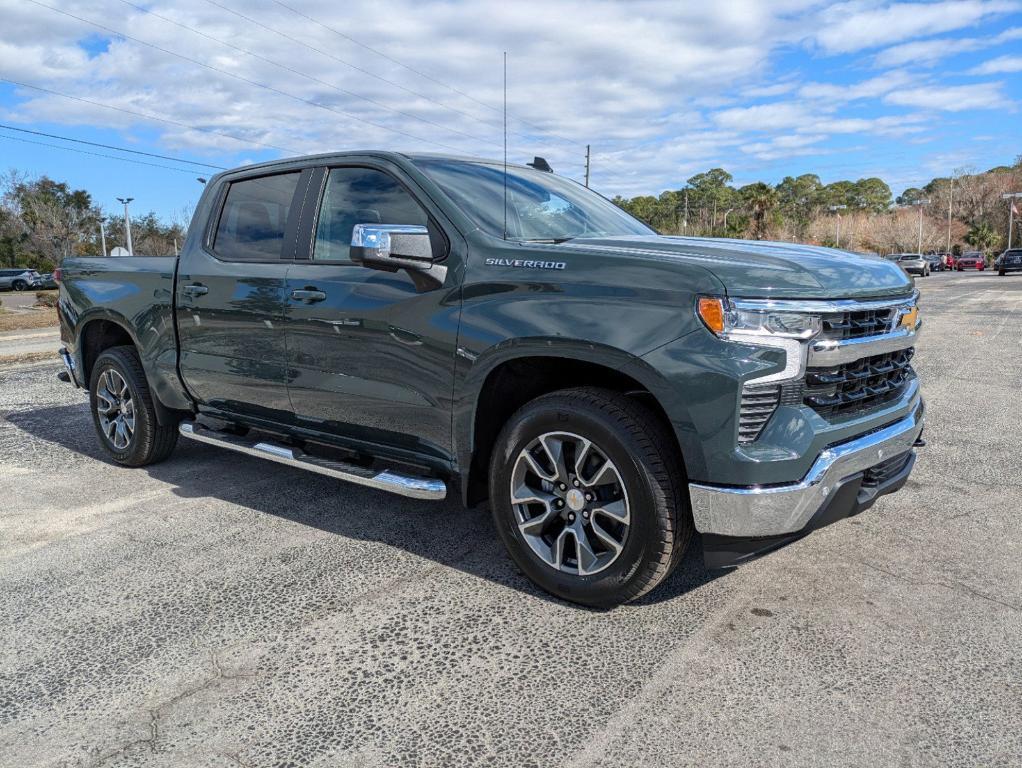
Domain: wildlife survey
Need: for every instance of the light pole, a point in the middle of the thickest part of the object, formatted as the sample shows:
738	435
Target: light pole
127	222
725	220
950	197
835	209
919	204
102	236
1011	197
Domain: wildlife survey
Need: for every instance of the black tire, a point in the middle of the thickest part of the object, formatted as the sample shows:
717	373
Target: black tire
19	285
650	469
149	442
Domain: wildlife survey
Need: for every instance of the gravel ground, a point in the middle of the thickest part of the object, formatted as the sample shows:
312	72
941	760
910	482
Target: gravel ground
216	610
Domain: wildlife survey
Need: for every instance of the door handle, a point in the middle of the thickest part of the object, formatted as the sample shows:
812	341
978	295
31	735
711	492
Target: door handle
196	289
308	295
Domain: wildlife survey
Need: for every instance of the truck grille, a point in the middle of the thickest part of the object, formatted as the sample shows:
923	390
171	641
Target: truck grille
859	386
856	324
758	405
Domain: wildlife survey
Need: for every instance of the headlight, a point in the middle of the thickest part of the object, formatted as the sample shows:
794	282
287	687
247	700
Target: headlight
729	322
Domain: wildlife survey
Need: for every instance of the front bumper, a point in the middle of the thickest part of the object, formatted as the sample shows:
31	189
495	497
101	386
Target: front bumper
787	509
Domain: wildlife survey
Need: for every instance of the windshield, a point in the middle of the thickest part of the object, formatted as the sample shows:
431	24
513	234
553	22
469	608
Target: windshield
540	205
910	257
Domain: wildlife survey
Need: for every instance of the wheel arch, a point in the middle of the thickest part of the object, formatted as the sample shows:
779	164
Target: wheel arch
507	378
103	330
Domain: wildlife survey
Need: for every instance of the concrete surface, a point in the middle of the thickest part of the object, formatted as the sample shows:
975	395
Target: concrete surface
17	299
29	342
220	611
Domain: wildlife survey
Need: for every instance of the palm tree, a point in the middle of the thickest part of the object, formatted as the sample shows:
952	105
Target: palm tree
761	199
982	237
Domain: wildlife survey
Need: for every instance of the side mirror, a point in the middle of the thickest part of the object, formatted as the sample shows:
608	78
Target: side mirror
391	247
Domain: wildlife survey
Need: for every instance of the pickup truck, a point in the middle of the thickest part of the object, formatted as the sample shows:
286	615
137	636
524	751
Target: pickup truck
426	325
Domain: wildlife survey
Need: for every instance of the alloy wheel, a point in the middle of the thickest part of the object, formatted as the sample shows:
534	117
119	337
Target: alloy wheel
115	409
570	503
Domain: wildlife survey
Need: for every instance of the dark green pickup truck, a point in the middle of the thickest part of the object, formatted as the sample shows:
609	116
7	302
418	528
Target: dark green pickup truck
423	325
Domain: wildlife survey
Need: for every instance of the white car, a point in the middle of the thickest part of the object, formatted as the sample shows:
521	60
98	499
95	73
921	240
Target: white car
18	279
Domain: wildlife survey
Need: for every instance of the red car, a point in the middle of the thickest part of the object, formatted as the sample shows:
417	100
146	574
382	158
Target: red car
971	260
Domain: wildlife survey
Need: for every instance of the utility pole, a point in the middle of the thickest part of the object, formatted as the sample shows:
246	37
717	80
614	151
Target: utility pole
835	209
685	222
587	166
919	204
950	197
127	222
102	236
1011	197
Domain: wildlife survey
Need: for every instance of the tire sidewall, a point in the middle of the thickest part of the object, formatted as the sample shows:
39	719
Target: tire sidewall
606	587
19	285
135	450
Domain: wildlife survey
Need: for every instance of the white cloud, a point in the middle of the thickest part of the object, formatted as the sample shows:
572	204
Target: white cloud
953	98
1000	65
929	52
864	24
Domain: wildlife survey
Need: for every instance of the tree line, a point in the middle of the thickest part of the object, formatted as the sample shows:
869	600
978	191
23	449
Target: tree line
43	221
965	208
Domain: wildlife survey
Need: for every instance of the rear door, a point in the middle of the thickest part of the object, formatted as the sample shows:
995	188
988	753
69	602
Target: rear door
230	297
371	353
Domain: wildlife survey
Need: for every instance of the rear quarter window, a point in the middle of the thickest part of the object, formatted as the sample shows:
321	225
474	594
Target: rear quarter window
254	217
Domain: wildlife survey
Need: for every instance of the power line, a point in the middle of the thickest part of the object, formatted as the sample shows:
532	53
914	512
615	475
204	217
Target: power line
303	74
148	116
97	154
242	78
112	146
395	61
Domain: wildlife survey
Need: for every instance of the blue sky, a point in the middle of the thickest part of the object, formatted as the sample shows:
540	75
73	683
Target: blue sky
904	91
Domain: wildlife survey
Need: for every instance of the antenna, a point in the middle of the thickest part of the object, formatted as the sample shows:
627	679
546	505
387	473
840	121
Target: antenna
505	145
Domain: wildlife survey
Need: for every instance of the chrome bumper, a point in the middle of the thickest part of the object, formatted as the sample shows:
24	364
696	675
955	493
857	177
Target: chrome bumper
779	509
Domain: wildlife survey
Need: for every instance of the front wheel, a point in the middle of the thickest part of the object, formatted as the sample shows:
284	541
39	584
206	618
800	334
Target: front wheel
19	285
588	495
123	411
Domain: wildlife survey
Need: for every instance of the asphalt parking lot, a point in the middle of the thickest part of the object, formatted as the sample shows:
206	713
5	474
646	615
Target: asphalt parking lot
216	610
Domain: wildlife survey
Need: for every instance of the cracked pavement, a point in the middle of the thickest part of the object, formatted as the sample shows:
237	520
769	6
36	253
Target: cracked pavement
216	610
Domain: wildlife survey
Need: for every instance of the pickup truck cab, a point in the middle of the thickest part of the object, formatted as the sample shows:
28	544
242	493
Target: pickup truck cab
428	325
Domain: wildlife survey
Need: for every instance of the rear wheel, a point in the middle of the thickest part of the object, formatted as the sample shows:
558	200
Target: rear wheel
123	411
19	285
588	496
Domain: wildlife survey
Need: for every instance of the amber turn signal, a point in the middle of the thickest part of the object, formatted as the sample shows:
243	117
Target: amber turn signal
711	312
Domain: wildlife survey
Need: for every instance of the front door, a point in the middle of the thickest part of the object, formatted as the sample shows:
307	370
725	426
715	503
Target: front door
230	299
370	353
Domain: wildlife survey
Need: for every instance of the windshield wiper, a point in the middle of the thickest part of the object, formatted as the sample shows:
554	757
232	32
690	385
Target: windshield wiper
554	240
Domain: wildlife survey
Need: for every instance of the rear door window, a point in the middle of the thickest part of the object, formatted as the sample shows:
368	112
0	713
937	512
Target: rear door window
254	217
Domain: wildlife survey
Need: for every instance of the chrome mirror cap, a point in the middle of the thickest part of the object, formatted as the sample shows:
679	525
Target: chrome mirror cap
397	245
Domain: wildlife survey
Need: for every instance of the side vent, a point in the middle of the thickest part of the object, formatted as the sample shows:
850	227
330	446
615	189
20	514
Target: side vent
759	401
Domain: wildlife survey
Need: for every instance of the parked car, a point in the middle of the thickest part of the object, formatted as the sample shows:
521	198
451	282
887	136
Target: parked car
1009	261
913	263
395	321
971	260
46	282
936	261
18	279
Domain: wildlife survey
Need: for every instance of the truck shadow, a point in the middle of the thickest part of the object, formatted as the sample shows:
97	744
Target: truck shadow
444	532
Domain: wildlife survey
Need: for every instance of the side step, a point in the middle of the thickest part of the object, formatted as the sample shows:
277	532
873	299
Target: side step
387	480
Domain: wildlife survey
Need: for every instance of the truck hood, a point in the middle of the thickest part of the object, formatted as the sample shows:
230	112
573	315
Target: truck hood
762	269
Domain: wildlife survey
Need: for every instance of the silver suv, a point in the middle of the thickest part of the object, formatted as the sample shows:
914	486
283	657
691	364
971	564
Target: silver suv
19	279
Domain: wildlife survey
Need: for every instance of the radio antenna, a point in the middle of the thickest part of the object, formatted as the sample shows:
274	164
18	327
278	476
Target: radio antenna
505	145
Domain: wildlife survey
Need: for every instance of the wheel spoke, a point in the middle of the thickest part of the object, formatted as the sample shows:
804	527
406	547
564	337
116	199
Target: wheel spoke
616	510
535	467
534	525
554	448
585	556
582	449
557	550
606	538
607	473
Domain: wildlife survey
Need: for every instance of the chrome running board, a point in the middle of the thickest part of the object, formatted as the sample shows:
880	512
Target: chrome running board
387	480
